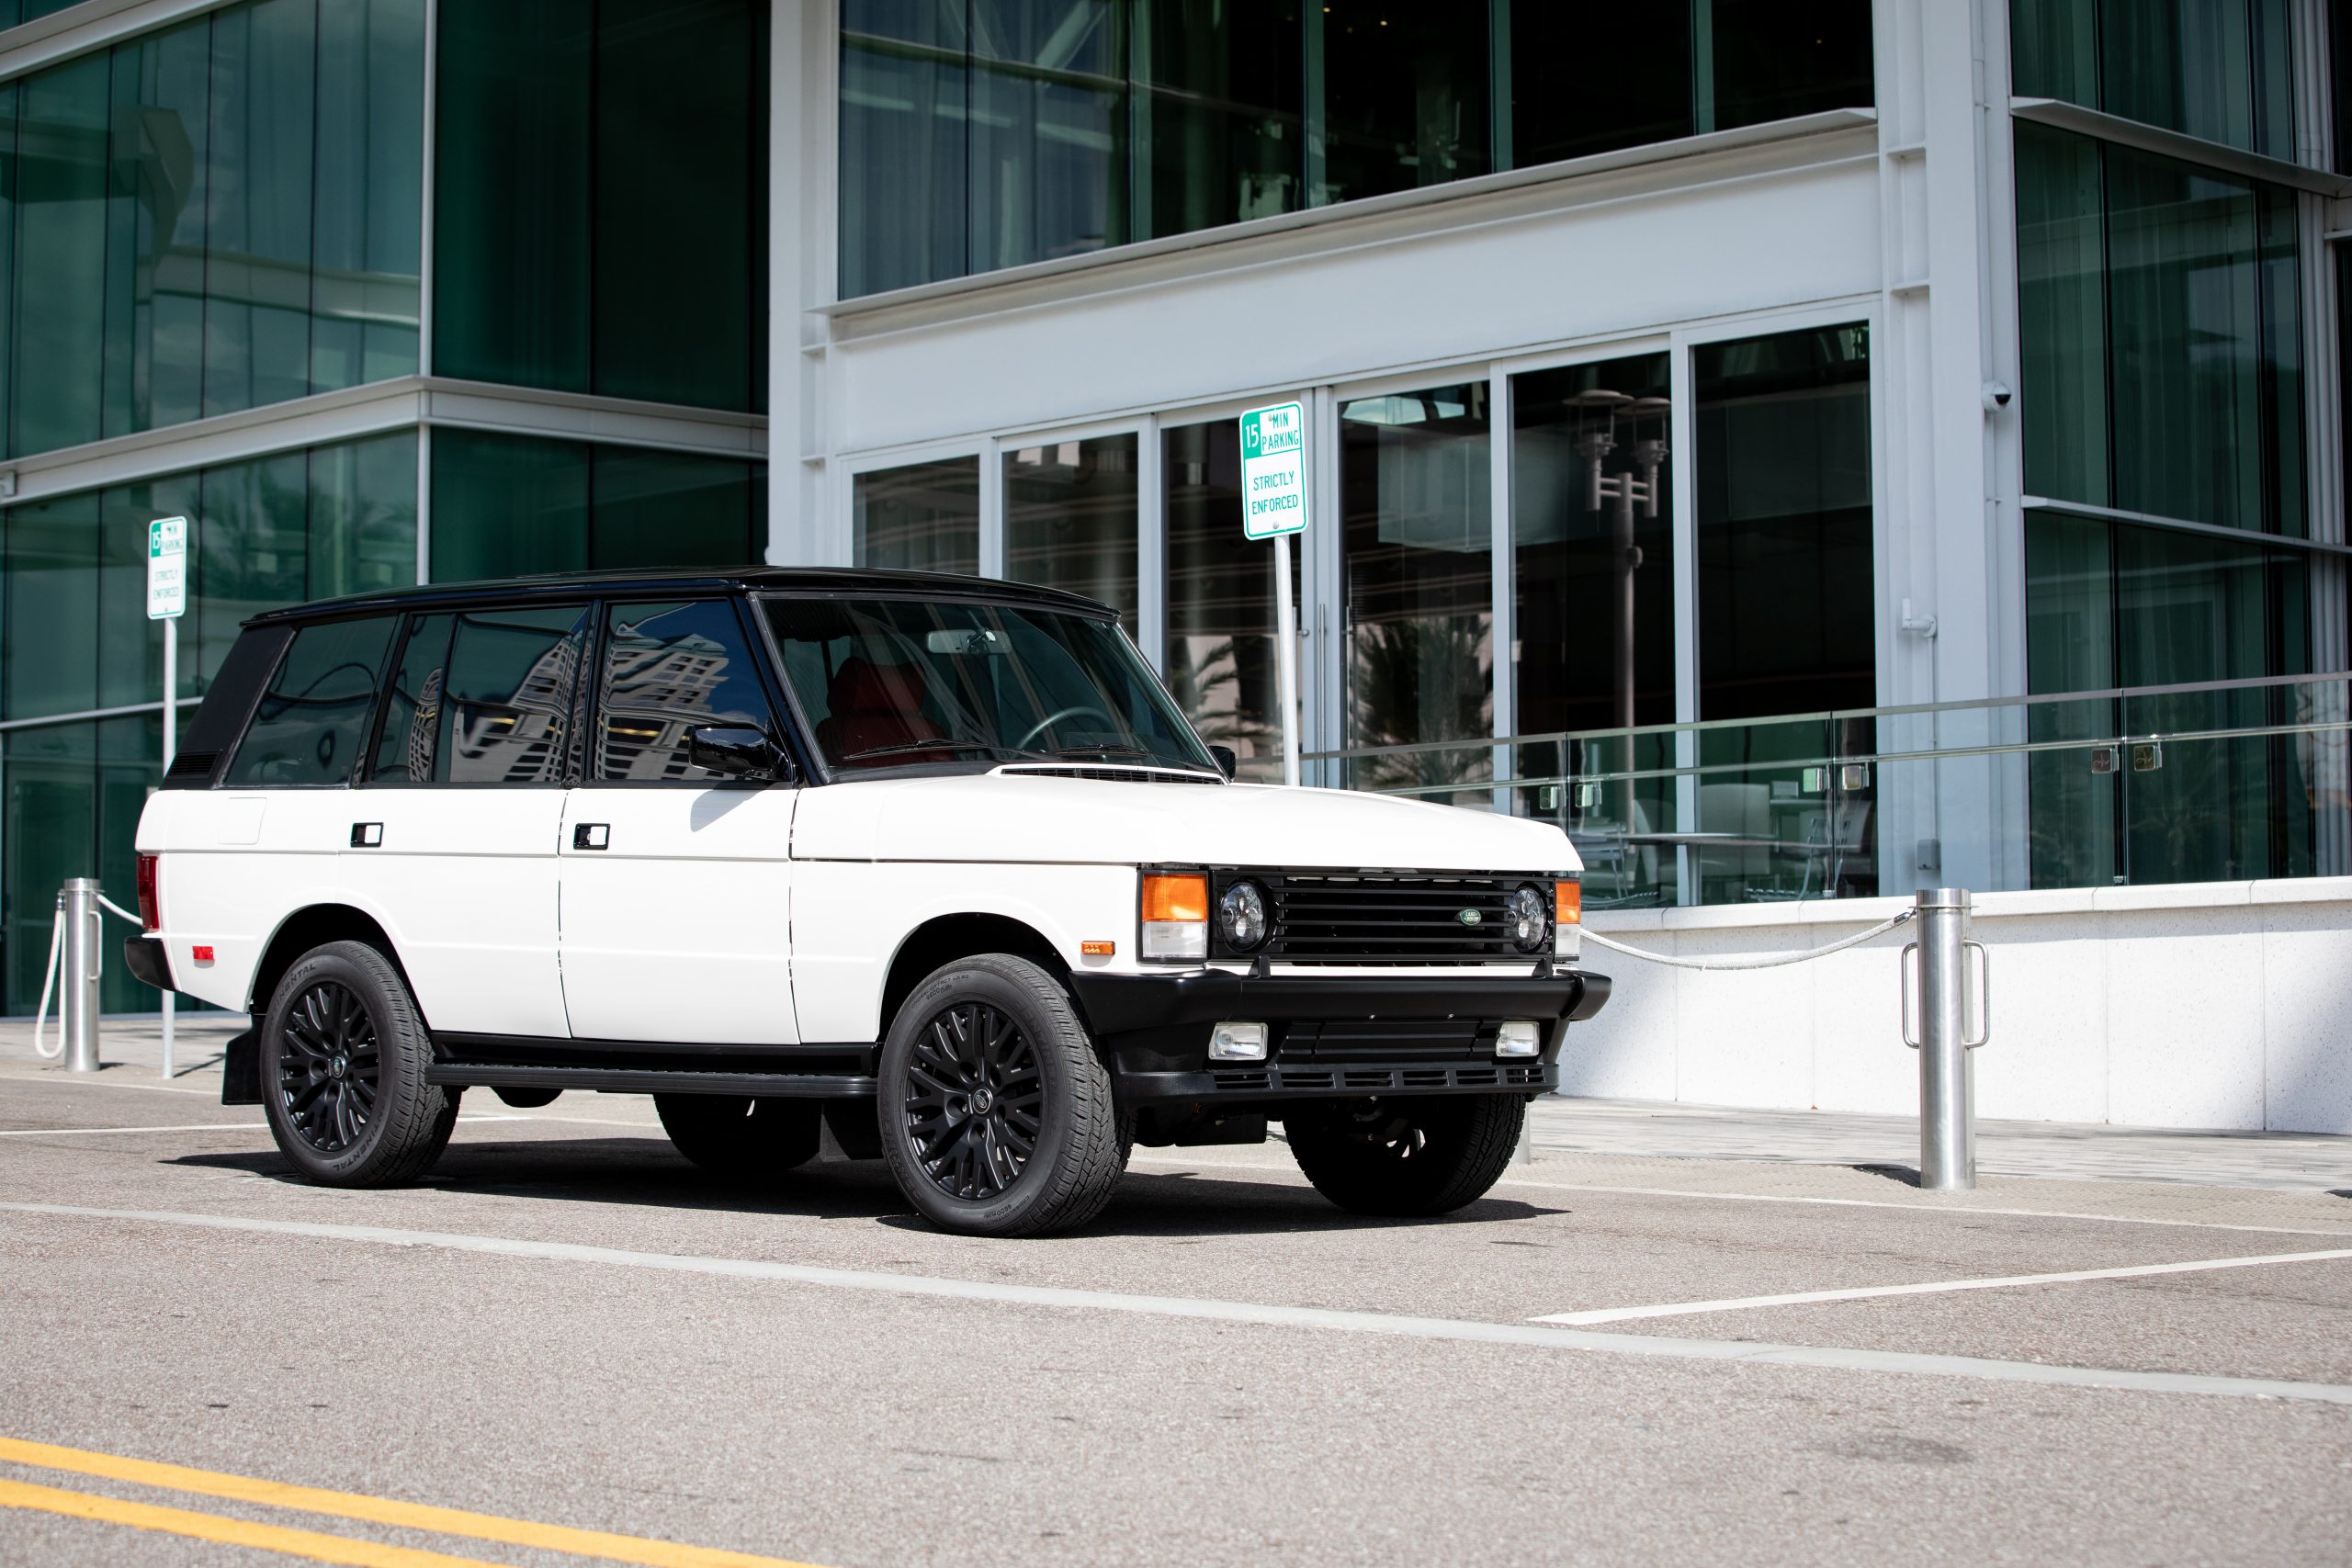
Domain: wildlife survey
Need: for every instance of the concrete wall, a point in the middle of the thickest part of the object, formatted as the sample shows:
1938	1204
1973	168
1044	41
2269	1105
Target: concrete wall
2218	1005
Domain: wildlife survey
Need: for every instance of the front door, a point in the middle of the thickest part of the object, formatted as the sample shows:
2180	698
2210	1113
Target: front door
675	889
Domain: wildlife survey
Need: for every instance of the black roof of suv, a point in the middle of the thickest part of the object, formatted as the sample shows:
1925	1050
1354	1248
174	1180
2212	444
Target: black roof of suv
836	582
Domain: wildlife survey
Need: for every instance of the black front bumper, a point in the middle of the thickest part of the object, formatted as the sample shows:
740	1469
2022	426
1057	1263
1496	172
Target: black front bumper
1331	1035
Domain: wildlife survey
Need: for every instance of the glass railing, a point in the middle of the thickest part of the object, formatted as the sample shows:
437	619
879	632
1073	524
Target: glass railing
2217	781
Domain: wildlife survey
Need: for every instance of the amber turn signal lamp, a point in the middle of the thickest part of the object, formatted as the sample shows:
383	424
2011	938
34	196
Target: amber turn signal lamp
1175	897
1098	949
1567	904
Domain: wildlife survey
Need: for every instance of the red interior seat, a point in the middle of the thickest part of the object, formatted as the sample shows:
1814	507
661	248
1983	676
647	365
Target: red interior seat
871	705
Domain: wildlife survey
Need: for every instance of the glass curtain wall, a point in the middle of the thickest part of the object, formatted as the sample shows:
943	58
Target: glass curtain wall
601	198
2223	69
978	134
1787	622
921	518
1587	79
2161	321
1222	647
1416	508
267	531
516	506
211	218
1593	633
1071	514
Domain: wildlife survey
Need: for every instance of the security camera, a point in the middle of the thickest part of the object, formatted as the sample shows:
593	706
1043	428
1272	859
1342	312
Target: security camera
1996	396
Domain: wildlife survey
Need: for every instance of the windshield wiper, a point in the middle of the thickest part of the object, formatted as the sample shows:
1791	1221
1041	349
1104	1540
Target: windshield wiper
938	743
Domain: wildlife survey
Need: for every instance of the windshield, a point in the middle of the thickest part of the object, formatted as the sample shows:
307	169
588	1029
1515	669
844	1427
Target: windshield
900	682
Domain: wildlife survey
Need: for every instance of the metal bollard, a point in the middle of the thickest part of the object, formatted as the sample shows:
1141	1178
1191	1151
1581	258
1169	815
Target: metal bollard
1952	1022
78	1003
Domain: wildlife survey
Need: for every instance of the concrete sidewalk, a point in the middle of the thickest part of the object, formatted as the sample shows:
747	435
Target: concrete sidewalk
1870	1154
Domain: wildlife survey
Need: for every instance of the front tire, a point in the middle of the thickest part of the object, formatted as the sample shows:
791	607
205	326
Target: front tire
343	1060
996	1115
1407	1158
751	1142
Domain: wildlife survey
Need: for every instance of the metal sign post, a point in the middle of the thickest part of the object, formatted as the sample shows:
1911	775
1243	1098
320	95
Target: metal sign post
166	602
1273	506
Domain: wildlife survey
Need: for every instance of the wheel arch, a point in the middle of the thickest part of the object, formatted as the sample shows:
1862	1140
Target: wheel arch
943	938
314	925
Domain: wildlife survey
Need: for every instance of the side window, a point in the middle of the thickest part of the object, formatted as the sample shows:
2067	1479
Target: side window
505	703
312	720
664	669
406	745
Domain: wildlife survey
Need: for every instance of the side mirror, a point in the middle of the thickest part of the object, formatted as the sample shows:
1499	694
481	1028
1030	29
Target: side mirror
738	751
1227	760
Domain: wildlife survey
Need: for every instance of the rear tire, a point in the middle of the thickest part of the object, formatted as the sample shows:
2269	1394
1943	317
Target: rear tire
343	1059
997	1116
1407	1158
753	1143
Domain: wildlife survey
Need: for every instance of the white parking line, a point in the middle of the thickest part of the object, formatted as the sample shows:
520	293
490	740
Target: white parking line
187	1127
1929	1288
1927	1208
1534	1335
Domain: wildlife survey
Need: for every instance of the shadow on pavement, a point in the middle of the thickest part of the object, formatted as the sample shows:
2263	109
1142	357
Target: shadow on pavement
646	1172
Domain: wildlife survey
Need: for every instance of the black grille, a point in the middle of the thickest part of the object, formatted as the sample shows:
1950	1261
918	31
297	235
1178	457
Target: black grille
1392	917
193	765
1370	1040
1364	1080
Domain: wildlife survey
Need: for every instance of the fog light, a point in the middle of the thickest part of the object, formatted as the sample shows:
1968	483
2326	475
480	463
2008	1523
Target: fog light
1518	1037
1237	1042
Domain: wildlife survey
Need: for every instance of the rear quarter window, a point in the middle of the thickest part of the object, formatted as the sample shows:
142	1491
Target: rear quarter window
312	717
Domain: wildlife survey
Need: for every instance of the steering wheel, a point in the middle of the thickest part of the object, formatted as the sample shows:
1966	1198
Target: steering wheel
1052	719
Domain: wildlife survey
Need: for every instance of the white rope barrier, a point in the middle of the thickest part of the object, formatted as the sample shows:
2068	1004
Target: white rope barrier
1765	961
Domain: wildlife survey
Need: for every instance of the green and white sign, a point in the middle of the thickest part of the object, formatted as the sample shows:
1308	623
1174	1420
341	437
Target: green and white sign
167	567
1273	471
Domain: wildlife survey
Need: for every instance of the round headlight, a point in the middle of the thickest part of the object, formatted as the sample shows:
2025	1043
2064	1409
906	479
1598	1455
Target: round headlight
1530	920
1242	916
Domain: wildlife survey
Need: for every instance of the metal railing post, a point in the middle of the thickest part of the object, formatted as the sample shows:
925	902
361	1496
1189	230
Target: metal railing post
77	1005
1951	1024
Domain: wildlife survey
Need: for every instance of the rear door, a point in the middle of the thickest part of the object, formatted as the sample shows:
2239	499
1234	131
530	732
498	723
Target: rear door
675	885
453	839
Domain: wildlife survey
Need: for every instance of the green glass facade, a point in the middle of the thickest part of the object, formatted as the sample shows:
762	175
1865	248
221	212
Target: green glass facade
2221	69
513	505
218	216
600	210
982	134
2161	319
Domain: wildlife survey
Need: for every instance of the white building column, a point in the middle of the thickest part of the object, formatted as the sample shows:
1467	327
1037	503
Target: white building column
804	63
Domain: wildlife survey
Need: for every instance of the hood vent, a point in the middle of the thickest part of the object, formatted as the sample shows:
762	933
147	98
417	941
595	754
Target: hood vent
1119	775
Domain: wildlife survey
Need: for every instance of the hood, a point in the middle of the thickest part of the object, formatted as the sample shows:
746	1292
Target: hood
1017	817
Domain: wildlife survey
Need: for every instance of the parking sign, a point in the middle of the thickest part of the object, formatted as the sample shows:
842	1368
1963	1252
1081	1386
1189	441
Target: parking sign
1273	471
167	567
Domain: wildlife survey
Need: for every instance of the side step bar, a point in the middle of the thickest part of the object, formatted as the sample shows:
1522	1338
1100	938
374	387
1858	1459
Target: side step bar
644	1080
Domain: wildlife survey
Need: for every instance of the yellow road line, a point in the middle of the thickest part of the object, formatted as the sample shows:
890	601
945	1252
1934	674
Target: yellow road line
226	1531
639	1549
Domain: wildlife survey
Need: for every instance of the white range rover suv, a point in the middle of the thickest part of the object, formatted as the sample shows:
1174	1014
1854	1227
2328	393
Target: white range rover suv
932	862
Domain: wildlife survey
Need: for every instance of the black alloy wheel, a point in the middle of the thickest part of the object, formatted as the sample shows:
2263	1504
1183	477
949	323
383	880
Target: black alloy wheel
996	1109
974	1101
329	1066
1405	1157
345	1065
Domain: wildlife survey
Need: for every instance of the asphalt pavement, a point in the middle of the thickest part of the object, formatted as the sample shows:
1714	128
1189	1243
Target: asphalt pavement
1673	1335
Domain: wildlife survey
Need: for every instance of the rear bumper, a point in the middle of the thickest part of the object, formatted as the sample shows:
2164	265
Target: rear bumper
144	957
1154	1029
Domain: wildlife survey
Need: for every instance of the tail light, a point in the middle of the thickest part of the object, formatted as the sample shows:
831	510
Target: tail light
151	905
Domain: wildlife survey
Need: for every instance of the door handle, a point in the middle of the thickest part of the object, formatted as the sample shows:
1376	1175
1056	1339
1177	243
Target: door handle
366	835
592	835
